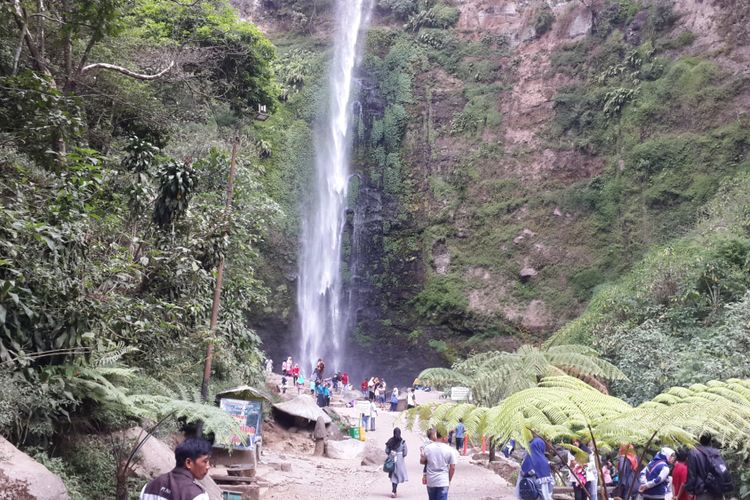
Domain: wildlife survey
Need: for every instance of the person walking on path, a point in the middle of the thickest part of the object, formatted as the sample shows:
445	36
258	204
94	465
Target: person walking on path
396	448
192	458
654	478
394	399
701	464
460	431
536	467
411	400
679	476
440	460
373	414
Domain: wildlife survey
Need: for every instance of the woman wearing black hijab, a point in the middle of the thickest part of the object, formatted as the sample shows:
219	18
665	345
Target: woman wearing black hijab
396	447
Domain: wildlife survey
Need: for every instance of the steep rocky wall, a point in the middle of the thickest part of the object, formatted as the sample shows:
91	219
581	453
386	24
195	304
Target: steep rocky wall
506	215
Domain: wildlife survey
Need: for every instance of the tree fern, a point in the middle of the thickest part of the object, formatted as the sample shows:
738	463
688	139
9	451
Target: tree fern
565	407
493	376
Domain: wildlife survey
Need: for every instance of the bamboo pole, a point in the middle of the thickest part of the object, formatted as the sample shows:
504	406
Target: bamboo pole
219	275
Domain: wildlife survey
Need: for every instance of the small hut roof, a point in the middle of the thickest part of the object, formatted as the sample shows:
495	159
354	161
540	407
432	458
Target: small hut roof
303	406
244	392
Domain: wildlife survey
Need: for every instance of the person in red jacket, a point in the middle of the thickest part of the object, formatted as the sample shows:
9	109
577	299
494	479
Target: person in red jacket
679	476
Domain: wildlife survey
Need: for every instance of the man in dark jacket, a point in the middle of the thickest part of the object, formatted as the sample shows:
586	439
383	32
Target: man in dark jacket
698	469
181	483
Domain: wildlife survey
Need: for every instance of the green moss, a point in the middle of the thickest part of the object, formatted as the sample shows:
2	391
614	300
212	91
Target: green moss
442	300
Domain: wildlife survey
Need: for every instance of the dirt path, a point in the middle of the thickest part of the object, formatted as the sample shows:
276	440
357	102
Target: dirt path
314	478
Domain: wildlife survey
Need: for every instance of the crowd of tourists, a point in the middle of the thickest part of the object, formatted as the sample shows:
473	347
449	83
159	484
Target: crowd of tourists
696	474
374	390
320	387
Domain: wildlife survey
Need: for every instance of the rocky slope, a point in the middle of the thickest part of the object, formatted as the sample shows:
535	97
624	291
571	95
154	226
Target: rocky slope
513	155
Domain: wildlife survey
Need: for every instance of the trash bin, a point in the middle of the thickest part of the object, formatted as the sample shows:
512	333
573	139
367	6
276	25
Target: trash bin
362	434
354	432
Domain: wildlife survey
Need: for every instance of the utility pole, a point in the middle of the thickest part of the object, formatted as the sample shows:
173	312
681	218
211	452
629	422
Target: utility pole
219	275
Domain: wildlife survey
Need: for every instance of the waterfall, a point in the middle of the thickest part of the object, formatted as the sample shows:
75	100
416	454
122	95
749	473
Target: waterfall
322	321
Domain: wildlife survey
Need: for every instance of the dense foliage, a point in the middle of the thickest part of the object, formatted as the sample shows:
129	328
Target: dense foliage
115	124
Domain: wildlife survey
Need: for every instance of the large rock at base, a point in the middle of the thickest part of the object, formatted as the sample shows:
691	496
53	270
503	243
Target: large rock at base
504	467
23	478
348	449
155	458
373	455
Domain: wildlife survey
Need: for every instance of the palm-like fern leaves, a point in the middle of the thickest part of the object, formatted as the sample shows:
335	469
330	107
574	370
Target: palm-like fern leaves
495	375
563	406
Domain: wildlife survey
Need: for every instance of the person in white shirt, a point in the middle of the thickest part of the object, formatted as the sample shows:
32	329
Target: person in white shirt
440	460
373	414
411	400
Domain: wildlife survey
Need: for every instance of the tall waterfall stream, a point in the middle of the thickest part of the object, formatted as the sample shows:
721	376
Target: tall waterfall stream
319	293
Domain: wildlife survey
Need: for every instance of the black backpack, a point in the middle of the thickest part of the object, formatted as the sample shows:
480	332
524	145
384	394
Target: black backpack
718	479
528	487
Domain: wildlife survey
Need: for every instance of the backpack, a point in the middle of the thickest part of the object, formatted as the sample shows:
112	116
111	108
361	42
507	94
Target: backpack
718	479
528	487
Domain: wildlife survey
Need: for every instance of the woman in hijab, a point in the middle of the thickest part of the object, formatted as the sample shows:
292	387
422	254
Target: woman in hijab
627	469
396	448
536	464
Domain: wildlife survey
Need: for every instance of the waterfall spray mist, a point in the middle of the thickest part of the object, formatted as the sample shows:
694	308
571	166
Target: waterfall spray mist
322	321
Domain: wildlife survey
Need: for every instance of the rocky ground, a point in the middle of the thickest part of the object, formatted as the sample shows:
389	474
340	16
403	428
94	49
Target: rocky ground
312	478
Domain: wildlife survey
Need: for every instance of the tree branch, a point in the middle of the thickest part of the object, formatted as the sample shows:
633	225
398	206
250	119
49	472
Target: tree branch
19	48
125	71
86	52
20	16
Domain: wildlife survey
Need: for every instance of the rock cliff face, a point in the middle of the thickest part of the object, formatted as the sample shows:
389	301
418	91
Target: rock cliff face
545	144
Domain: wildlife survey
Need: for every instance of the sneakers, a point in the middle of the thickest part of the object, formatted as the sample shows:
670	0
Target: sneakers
393	495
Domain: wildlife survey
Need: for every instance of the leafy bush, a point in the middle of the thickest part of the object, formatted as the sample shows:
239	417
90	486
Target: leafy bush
543	21
442	300
402	9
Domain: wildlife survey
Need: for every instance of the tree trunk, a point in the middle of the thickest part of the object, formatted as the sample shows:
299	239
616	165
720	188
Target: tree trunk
492	449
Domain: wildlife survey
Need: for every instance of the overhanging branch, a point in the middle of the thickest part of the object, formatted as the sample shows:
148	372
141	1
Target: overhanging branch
125	71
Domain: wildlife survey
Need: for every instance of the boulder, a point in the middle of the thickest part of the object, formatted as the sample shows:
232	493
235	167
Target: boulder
373	455
23	478
348	449
505	468
527	273
155	457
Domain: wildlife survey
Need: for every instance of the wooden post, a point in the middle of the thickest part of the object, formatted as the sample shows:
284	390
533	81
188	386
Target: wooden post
219	275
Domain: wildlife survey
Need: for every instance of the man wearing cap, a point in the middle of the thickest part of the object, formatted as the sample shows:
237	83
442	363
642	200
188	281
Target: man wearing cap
654	478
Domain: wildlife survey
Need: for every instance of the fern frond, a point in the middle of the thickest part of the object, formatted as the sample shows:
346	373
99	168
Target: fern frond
442	378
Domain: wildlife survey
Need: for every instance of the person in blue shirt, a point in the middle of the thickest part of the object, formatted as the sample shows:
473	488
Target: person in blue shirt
460	430
654	478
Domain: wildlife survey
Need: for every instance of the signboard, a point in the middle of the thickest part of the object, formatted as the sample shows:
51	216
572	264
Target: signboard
460	394
249	414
